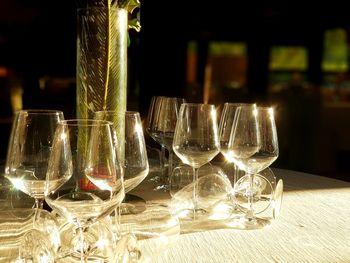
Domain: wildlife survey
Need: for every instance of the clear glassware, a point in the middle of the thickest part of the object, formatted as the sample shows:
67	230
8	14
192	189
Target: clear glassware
153	231
135	161
29	150
196	141
100	234
21	241
225	129
253	146
84	180
161	121
213	186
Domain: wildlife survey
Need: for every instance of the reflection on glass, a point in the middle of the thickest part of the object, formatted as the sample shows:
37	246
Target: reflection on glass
155	230
196	142
161	121
84	165
29	150
21	241
253	147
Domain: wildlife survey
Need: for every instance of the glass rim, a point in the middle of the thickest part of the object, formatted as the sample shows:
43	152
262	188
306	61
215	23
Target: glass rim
111	112
40	111
239	104
85	122
268	108
168	97
197	104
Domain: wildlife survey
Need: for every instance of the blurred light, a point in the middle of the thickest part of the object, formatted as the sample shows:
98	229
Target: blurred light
3	72
138	128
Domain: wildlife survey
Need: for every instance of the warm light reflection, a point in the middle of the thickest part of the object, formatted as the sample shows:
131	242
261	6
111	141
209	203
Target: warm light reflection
271	113
213	116
102	243
207	83
18	184
63	136
221	211
255	112
229	156
138	128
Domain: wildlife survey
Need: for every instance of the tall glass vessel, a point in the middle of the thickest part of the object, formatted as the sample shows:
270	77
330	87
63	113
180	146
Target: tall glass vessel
102	41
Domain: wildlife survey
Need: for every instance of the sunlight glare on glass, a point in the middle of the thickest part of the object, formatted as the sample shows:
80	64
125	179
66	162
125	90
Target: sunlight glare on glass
138	128
271	114
102	243
229	156
18	184
213	113
63	136
255	112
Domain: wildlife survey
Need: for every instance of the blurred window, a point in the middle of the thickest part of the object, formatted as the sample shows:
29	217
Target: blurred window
288	58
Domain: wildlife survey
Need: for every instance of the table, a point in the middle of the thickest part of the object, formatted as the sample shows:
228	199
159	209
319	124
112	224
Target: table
314	226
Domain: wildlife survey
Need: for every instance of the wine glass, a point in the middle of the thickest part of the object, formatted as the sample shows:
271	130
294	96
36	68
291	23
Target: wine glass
225	129
135	153
84	182
253	146
196	141
161	122
29	150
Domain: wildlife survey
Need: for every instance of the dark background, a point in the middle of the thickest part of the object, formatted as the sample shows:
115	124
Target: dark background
38	41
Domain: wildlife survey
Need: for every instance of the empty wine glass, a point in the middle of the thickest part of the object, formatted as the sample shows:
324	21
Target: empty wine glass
225	129
253	146
84	181
196	141
135	153
161	122
29	150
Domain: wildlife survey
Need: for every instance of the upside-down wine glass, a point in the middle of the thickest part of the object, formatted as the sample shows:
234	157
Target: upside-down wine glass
88	181
29	149
161	121
253	146
196	141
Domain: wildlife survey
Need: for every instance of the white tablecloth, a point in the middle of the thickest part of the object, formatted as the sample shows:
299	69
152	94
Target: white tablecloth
314	226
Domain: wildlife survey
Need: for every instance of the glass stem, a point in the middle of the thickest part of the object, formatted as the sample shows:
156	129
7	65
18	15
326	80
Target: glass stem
195	190
250	212
38	205
162	160
235	174
235	178
170	165
117	220
81	243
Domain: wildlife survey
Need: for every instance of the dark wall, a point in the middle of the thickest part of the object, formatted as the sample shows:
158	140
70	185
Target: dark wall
38	38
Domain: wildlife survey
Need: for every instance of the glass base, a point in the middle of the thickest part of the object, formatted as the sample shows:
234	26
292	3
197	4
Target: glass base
193	214
132	204
162	188
75	248
248	223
